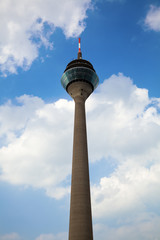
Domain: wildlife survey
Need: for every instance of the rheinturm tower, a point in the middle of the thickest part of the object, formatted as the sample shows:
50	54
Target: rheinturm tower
79	80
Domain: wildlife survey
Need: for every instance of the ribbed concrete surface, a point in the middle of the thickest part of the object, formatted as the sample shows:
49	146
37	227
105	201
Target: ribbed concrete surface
80	209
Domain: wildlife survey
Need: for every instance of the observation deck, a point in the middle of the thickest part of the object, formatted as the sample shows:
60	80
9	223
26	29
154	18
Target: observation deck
79	70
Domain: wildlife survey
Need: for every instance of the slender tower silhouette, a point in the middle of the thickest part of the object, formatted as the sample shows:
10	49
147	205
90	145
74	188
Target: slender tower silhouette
79	80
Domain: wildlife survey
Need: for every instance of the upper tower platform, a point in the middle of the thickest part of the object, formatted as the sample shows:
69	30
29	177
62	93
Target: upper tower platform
79	70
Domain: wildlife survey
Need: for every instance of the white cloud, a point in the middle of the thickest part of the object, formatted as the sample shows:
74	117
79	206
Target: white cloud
21	114
12	236
152	20
127	118
60	236
37	143
15	236
146	228
130	189
123	124
23	31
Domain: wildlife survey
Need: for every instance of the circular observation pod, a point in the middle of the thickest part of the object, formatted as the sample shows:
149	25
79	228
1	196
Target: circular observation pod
79	70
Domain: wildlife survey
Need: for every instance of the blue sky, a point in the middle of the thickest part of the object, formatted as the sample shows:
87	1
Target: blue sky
121	38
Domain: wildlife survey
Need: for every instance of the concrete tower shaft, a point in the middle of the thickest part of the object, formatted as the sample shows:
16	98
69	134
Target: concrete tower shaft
80	227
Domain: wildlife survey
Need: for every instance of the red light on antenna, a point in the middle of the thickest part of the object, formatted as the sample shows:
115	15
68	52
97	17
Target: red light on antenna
79	45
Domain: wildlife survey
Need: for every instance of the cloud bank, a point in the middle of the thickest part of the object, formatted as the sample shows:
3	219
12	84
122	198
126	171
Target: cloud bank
123	126
36	143
11	236
26	25
146	228
60	236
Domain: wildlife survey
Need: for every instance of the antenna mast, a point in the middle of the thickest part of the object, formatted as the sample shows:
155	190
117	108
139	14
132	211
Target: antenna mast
79	51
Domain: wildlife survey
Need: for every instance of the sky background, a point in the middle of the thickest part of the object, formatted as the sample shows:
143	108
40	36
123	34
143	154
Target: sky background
121	38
